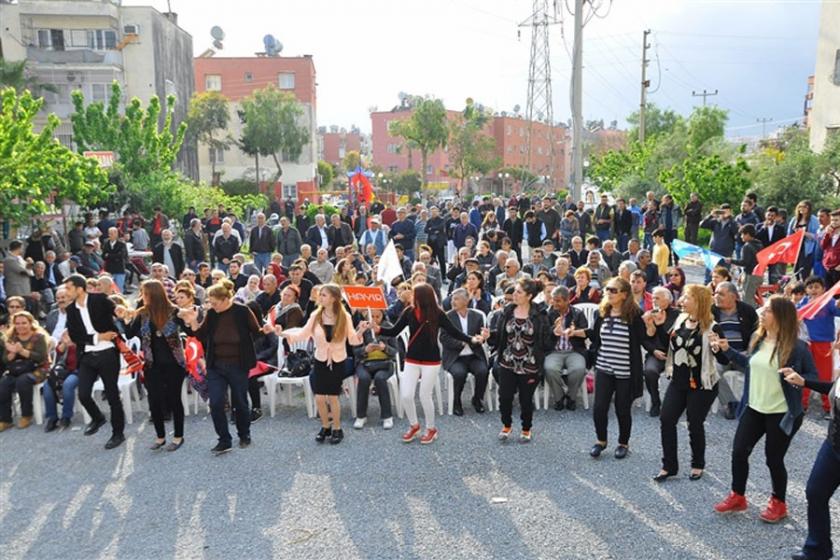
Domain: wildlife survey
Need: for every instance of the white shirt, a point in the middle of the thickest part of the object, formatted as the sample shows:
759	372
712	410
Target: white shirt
97	345
467	351
325	244
60	326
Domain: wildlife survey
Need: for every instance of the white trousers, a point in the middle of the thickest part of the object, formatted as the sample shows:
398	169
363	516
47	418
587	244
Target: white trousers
408	381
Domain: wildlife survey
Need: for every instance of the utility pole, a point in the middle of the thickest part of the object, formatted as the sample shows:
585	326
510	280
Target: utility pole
577	103
704	95
764	121
645	85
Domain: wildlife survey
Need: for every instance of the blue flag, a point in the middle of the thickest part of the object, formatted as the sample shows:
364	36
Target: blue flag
688	251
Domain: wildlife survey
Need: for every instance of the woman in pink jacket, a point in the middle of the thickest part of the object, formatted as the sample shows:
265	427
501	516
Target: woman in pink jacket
331	328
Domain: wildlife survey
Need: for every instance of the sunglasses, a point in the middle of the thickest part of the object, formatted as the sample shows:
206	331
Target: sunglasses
611	290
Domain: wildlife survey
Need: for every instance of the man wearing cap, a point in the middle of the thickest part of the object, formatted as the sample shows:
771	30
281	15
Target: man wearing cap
90	264
403	232
374	236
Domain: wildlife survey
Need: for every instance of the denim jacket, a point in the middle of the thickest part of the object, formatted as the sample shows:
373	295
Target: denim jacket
800	361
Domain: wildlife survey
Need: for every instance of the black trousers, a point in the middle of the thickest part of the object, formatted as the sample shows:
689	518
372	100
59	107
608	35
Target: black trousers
606	386
379	377
440	255
254	392
23	386
751	427
469	364
106	366
653	370
691	230
509	384
696	404
164	386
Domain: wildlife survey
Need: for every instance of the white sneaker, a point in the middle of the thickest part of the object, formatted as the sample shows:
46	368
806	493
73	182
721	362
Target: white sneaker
359	423
388	423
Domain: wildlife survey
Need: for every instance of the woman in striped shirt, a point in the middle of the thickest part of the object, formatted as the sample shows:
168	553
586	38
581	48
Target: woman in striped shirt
616	343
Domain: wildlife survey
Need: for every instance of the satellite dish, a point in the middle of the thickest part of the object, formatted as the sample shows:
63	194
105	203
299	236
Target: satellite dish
218	44
402	95
516	108
217	33
272	45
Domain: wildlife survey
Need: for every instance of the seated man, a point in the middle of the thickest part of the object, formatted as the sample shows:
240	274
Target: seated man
460	358
565	365
56	327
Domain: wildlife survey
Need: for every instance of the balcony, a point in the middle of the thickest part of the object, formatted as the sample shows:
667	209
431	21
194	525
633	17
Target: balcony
74	57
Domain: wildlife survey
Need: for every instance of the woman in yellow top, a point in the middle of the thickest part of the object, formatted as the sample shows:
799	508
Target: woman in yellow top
661	253
769	408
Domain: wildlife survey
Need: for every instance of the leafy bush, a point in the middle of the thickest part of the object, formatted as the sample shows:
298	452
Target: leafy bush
325	209
239	187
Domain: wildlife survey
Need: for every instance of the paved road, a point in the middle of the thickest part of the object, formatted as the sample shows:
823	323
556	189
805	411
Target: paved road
62	495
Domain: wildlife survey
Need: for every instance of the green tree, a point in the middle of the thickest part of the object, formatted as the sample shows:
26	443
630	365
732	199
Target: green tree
426	129
713	179
705	125
36	168
272	128
15	75
471	149
351	160
326	173
141	145
657	121
208	117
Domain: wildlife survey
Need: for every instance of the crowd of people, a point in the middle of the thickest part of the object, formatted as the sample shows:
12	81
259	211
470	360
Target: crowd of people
518	293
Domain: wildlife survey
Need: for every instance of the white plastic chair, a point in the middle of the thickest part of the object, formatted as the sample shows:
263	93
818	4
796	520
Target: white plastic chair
126	384
274	381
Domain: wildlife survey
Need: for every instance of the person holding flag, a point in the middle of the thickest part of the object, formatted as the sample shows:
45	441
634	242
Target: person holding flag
821	334
749	249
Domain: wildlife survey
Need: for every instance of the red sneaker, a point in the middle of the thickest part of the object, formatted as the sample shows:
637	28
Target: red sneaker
412	432
430	436
733	502
776	511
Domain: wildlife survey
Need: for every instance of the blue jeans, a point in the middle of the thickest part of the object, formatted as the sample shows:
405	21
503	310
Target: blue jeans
68	392
603	234
623	239
823	482
119	280
262	260
220	377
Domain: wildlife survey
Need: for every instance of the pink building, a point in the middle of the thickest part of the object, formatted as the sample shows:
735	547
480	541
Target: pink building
335	145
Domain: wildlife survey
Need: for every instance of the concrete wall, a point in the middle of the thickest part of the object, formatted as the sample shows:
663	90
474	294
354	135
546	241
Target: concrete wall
825	113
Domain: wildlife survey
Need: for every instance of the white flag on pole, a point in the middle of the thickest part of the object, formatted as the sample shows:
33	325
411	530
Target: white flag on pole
389	264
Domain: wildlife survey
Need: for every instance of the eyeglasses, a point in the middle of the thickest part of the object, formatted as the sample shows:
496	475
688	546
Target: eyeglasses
611	290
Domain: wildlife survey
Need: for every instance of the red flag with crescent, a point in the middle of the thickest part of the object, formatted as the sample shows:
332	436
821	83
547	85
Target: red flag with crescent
782	251
363	187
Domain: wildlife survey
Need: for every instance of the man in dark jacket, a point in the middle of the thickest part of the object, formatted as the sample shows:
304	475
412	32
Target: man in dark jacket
622	224
115	255
261	243
724	230
748	262
769	232
603	219
460	358
403	231
288	242
693	214
738	322
565	365
513	229
339	234
169	253
224	247
194	245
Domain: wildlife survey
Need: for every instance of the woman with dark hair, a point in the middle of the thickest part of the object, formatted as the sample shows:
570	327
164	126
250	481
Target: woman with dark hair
479	297
159	328
27	360
617	346
806	220
227	333
769	407
331	328
676	283
524	335
424	318
719	274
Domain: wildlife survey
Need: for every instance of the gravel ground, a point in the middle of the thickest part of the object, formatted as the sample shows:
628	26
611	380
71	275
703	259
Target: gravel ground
466	496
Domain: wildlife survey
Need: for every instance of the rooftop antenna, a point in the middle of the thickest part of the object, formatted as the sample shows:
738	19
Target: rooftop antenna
218	36
273	47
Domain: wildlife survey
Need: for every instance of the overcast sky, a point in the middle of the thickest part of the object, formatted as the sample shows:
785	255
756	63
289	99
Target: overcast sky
758	54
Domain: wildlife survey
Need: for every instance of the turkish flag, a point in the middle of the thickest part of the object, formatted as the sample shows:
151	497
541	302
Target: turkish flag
810	309
782	251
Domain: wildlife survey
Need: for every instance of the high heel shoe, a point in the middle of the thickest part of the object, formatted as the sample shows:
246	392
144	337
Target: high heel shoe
696	476
323	435
663	476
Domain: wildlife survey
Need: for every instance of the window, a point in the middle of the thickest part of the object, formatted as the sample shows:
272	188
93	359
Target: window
217	155
393	148
509	149
392	169
521	131
249	77
99	92
290	192
44	38
508	130
102	39
342	151
78	38
429	169
286	80
213	82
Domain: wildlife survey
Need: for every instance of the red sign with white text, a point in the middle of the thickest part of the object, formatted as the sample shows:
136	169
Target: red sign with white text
365	297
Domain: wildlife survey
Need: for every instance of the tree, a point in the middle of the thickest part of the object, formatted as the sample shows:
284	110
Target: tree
351	160
471	149
142	146
14	75
271	128
713	179
207	116
657	121
426	128
705	124
326	173
36	168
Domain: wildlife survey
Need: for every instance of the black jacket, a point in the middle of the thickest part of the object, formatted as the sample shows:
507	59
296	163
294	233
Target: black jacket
194	247
637	336
177	255
451	347
261	240
622	221
574	318
341	236
101	311
207	330
660	339
225	248
748	253
542	332
747	317
115	257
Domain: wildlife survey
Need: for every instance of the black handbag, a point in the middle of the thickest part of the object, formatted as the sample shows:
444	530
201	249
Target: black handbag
56	376
21	366
298	364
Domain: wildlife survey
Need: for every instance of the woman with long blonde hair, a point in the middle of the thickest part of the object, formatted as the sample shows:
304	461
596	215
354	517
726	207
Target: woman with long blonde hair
690	366
331	328
617	343
769	407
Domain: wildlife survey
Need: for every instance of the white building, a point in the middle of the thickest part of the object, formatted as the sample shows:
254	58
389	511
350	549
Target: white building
89	44
824	117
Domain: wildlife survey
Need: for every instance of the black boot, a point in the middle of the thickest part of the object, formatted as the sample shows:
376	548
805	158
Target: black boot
323	435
